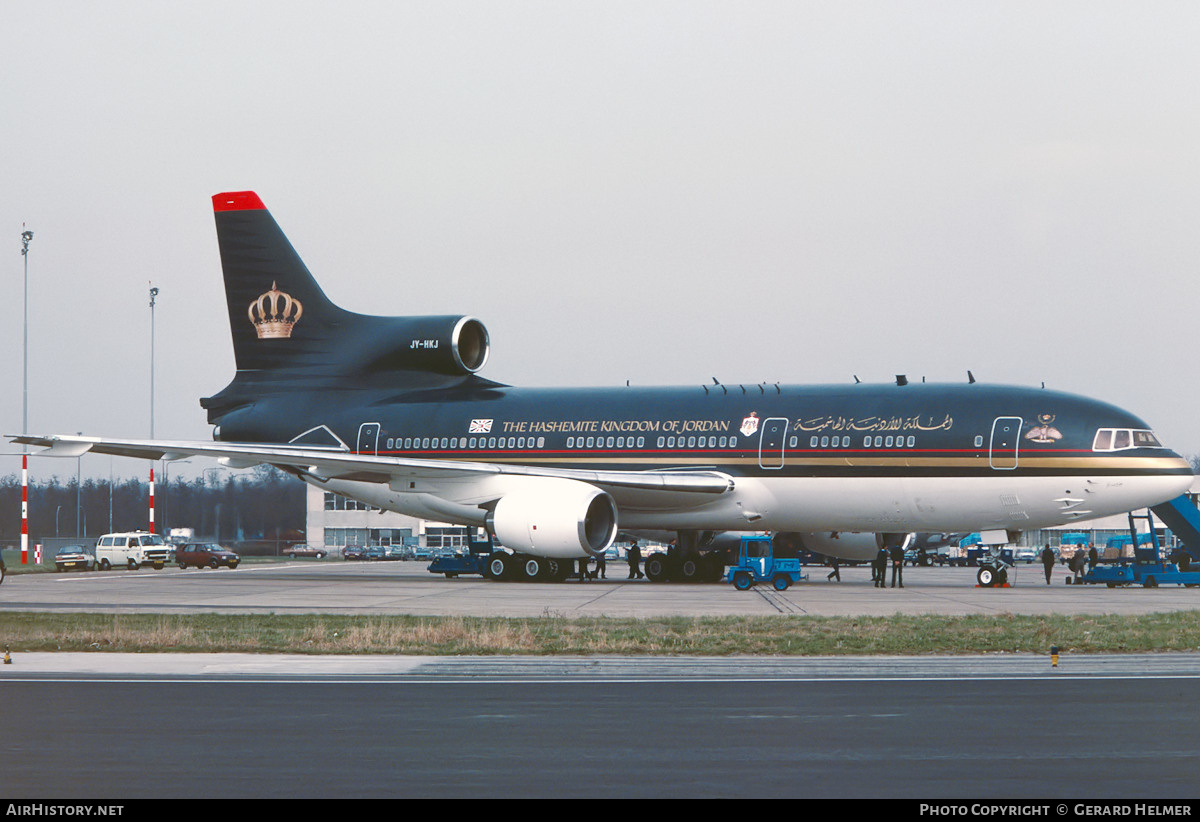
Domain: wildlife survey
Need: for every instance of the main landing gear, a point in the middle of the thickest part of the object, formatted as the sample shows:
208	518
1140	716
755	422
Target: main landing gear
527	568
684	562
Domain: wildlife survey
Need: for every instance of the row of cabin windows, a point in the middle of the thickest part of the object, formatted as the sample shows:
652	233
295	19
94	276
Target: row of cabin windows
868	442
445	443
607	442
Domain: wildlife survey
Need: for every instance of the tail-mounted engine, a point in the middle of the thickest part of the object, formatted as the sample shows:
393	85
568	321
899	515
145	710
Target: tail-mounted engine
453	346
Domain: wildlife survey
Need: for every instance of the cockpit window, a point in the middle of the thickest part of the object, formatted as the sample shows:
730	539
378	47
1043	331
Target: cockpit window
1145	439
1119	439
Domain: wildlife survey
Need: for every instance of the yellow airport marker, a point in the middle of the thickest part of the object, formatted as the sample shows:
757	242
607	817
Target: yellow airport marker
1053	656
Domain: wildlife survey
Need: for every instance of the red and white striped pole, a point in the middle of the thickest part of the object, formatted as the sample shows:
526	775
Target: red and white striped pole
24	509
152	498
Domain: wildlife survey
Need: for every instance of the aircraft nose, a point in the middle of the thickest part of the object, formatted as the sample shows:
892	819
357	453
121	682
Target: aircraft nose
1170	477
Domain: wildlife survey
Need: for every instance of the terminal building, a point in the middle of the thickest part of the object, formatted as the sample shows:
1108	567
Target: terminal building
335	522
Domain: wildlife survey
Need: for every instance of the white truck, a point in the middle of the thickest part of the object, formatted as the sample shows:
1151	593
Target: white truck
132	549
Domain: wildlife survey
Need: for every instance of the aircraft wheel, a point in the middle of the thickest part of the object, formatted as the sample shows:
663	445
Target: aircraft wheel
986	577
690	570
549	571
497	567
742	581
781	583
657	569
533	568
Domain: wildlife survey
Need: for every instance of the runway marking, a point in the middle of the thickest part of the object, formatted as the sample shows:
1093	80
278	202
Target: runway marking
778	601
400	679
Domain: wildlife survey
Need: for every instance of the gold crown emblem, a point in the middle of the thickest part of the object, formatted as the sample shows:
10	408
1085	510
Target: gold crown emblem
274	313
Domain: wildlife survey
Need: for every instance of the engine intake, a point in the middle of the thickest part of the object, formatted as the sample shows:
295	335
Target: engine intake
558	518
440	345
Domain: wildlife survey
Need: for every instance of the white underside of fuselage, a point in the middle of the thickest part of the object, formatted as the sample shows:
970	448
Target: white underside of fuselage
836	504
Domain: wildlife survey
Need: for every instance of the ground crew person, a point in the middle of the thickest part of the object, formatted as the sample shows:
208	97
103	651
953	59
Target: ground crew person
879	568
897	565
634	557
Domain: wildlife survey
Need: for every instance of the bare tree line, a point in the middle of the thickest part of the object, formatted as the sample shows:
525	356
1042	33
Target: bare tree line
266	504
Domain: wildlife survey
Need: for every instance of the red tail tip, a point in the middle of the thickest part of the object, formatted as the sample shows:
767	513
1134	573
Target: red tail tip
237	201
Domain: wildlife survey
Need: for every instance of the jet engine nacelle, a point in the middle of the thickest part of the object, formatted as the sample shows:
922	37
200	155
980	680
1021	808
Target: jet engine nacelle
439	345
558	518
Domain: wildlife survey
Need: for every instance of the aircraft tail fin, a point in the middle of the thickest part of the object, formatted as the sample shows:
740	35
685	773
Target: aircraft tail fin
278	315
288	336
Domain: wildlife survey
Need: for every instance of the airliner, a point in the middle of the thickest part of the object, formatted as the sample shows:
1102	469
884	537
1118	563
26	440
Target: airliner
392	411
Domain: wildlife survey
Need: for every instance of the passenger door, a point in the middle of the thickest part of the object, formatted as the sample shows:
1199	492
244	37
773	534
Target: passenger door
368	438
1006	439
771	442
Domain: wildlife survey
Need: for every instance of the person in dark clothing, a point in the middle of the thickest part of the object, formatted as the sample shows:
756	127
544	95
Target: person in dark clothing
897	556
1047	561
1093	558
879	568
601	567
634	557
583	569
835	572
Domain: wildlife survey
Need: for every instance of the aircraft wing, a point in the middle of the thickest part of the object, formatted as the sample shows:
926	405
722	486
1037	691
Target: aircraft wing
338	463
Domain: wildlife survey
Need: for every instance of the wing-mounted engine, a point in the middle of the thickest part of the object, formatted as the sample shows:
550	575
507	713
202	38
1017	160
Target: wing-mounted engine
555	518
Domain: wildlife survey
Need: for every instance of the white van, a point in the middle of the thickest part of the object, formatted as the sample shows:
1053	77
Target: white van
131	550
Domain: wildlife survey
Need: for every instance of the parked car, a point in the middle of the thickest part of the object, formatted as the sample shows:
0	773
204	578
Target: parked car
75	556
1026	554
205	555
303	551
355	552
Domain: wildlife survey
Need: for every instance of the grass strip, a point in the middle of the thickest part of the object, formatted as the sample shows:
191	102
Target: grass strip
716	636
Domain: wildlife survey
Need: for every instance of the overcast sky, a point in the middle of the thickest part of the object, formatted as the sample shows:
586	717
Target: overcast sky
649	191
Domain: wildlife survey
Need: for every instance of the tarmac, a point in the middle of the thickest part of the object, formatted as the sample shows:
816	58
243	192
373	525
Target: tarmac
335	586
308	586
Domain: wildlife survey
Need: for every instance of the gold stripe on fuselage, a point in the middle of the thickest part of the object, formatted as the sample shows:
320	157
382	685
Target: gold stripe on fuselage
1089	463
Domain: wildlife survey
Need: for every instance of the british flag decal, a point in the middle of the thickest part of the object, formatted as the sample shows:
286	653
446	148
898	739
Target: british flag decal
480	427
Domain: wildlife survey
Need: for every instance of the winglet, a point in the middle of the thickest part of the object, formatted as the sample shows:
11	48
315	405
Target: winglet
237	201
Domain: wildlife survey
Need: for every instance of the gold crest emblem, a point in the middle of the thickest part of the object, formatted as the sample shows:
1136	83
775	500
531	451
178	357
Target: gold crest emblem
274	314
1044	432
